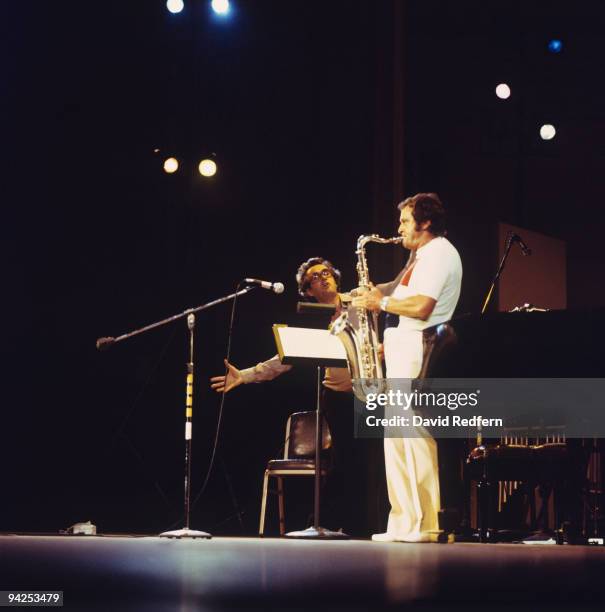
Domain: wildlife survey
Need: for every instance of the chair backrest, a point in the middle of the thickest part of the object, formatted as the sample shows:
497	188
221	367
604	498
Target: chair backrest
436	341
300	435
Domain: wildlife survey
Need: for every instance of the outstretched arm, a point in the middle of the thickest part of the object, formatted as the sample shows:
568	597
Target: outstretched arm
264	371
226	382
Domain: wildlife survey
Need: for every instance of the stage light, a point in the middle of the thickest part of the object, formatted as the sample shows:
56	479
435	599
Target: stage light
220	7
171	165
175	6
503	91
555	45
547	131
207	167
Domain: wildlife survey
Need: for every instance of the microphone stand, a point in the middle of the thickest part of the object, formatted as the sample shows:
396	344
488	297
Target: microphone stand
509	244
507	248
105	343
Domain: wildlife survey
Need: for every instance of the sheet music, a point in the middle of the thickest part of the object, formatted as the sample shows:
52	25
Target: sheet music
300	343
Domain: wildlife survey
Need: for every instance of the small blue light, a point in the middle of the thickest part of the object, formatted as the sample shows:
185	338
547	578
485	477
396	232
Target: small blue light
220	7
555	45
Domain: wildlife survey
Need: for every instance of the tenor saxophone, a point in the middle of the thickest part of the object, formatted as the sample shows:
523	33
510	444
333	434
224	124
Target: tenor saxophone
361	342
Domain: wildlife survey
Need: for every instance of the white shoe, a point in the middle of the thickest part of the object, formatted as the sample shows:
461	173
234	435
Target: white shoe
383	537
416	537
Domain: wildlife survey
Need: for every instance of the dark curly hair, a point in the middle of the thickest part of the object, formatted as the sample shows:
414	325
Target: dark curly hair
427	207
304	284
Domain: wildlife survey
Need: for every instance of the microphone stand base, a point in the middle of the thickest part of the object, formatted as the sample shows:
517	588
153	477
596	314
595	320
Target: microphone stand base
185	533
317	533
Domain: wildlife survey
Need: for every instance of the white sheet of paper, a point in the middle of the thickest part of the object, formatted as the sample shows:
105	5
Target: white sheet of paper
311	343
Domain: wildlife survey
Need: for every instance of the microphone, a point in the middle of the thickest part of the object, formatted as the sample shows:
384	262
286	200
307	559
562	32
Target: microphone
275	287
104	343
524	248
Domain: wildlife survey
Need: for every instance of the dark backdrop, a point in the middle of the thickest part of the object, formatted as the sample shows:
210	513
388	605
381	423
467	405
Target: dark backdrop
300	101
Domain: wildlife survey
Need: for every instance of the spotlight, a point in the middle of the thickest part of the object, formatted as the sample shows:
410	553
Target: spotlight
547	131
503	91
171	165
555	45
220	7
175	6
207	167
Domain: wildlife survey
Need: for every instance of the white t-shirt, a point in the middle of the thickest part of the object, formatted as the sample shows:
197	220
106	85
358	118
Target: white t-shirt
437	273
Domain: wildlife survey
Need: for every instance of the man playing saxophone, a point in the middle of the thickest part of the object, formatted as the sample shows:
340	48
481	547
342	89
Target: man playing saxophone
424	294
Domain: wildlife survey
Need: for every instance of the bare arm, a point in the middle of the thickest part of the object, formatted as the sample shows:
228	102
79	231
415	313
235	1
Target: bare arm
416	306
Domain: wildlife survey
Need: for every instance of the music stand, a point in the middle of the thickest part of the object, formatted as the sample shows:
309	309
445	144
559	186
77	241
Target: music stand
303	346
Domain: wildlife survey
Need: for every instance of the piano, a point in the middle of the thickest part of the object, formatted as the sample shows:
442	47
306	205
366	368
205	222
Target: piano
551	344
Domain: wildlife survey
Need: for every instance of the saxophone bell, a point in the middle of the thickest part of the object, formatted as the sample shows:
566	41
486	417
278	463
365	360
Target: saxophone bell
339	324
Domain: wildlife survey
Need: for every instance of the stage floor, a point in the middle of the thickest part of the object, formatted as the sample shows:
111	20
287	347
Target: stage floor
150	573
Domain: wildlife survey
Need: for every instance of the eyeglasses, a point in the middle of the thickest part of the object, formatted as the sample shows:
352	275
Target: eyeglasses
325	273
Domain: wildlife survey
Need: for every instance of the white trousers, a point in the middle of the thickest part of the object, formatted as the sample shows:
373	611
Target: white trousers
412	469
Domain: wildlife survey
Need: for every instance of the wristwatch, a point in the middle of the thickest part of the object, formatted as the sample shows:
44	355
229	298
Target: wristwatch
383	303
